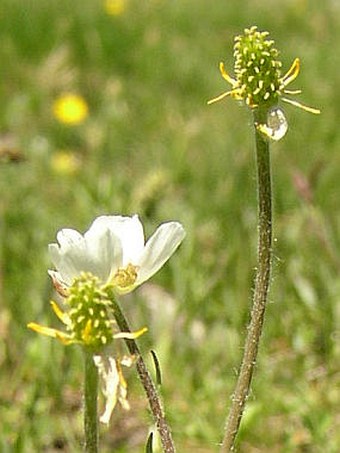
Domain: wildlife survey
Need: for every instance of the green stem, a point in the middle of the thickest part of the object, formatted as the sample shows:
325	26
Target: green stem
262	282
147	382
90	404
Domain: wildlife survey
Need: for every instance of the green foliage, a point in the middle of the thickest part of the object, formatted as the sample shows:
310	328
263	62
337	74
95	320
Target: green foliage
151	145
149	448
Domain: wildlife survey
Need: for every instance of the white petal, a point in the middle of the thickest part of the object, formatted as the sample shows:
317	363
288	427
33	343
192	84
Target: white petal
75	254
159	248
108	373
69	256
104	247
68	238
98	251
131	234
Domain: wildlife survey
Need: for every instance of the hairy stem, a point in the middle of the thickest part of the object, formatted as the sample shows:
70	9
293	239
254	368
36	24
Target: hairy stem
90	404
262	282
147	382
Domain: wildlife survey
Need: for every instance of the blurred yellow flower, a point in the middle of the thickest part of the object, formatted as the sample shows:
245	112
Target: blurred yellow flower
70	109
115	7
65	163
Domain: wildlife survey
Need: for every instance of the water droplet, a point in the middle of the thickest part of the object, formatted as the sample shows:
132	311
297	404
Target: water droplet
276	126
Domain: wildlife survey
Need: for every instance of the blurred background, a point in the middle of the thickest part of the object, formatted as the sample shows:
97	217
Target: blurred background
103	111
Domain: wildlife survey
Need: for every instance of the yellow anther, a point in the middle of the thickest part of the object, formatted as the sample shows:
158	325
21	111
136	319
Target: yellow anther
125	277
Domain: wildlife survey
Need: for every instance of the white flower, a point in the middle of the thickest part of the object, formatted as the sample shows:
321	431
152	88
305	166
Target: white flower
114	250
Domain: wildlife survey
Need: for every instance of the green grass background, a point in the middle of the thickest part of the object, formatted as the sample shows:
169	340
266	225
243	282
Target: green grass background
151	145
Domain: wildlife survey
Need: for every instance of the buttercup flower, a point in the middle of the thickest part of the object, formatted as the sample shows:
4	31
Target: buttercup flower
115	7
65	163
110	256
70	109
114	250
258	80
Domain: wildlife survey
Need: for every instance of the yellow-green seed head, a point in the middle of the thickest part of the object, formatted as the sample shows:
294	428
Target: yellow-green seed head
257	69
258	82
89	313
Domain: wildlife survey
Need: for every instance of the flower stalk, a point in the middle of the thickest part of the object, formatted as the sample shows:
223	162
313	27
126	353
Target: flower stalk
147	382
90	403
262	282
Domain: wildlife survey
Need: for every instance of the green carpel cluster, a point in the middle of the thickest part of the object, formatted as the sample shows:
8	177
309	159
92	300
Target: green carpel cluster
90	323
257	69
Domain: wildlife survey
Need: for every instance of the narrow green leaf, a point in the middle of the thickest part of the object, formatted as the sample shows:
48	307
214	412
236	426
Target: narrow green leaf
157	367
148	448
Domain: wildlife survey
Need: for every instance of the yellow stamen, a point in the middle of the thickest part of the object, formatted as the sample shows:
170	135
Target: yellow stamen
43	330
65	339
292	91
301	106
125	277
131	335
226	76
49	332
292	73
87	332
220	97
64	317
